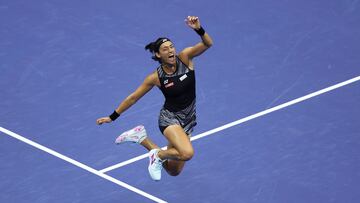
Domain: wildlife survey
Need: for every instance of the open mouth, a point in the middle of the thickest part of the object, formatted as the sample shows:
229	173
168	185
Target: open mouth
172	56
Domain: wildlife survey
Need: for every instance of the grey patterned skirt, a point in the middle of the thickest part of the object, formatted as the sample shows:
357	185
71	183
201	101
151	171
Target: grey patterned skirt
186	118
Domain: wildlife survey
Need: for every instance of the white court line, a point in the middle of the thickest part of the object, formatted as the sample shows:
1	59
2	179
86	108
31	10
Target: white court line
124	163
262	113
81	165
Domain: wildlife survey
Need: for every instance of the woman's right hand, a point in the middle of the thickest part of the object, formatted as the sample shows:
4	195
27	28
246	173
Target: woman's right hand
102	120
193	22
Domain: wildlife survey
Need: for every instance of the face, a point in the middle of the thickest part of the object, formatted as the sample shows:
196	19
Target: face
167	53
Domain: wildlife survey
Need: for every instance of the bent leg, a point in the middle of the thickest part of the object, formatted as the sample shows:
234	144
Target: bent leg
149	144
179	149
173	167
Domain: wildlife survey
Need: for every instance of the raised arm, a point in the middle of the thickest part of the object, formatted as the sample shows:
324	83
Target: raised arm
145	87
206	42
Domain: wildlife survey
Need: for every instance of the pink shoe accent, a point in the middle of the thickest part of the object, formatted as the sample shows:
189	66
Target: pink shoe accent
152	159
138	128
120	139
135	135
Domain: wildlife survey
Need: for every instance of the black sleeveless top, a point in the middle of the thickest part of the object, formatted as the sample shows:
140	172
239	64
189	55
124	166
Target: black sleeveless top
178	88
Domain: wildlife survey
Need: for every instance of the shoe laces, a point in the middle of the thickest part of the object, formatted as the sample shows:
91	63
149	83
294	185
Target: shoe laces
158	164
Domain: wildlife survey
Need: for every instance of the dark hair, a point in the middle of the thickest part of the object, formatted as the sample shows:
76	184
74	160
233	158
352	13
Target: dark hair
154	47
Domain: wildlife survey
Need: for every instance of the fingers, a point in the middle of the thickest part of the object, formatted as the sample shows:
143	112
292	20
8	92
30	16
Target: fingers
103	120
192	19
100	121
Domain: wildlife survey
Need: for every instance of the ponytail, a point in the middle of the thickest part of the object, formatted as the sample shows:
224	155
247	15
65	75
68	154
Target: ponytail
153	47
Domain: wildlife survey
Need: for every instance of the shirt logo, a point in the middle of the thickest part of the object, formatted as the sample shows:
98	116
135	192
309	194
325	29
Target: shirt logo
183	77
169	85
166	82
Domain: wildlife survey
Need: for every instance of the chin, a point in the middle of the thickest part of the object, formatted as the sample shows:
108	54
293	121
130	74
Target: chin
171	62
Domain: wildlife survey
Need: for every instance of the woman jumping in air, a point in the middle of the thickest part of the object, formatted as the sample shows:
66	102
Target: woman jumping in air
175	77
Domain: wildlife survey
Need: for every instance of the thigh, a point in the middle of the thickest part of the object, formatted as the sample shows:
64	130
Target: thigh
178	139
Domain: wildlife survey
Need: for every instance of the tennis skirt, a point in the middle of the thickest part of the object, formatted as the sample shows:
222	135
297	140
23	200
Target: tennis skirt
186	118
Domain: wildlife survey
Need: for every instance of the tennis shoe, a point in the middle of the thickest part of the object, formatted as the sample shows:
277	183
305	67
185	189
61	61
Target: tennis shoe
135	135
155	165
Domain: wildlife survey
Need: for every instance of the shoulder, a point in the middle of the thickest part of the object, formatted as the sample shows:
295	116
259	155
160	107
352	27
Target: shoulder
153	79
184	57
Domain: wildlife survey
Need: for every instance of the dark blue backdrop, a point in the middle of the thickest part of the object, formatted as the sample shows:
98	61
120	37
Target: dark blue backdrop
63	64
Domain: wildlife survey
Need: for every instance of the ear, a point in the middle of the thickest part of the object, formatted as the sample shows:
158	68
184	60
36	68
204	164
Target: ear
157	55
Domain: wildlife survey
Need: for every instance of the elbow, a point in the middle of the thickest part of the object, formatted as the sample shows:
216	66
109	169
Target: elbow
209	43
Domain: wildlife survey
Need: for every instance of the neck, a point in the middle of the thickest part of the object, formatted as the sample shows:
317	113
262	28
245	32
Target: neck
168	66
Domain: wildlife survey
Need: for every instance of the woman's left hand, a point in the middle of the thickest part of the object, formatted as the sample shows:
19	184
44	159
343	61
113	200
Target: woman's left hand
193	22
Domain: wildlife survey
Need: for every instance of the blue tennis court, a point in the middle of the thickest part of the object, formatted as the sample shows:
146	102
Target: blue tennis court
278	99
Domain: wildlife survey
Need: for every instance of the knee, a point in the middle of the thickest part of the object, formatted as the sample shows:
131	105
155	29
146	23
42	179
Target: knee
174	172
186	155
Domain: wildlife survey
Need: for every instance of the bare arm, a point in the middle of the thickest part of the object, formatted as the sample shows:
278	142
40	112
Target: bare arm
206	42
145	87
